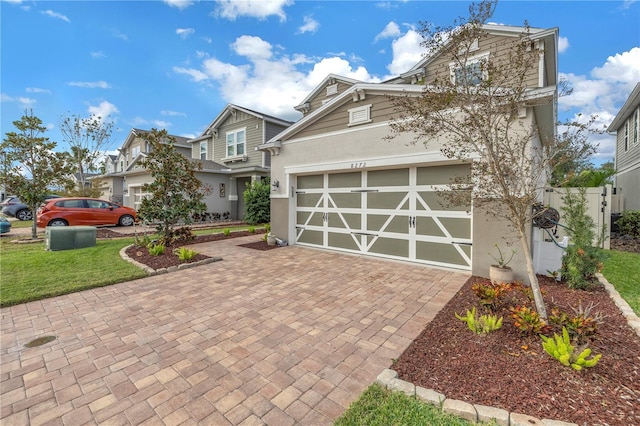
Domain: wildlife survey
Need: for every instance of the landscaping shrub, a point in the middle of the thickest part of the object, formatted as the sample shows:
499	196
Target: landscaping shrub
257	202
582	260
629	223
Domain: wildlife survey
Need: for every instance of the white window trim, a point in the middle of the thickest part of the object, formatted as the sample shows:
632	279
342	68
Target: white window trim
332	89
626	135
636	126
240	157
206	150
356	115
453	66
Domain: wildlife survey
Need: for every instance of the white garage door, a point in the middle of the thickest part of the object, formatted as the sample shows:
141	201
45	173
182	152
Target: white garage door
398	214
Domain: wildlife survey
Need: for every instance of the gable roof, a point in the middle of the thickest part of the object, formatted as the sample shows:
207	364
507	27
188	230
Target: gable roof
535	34
356	92
229	110
627	109
327	80
134	133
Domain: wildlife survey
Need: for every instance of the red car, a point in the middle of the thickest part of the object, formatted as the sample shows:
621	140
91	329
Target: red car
84	211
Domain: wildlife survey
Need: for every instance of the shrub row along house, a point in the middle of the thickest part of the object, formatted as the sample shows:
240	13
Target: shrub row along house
339	183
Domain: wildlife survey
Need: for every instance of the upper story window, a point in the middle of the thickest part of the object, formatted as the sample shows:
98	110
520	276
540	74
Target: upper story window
203	150
626	135
236	142
471	74
135	151
635	127
360	115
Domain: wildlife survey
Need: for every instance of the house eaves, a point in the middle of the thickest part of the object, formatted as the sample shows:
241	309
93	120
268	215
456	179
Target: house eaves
535	34
320	87
230	110
627	109
354	93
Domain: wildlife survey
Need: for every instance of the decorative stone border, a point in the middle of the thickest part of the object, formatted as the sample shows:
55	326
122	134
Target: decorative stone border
472	412
627	312
151	271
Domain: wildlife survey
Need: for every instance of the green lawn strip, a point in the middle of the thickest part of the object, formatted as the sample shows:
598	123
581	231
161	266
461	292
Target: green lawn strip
378	406
15	224
29	272
622	270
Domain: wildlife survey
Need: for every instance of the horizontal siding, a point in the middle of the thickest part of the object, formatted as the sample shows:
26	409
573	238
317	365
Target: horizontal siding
254	138
317	101
381	111
497	46
631	156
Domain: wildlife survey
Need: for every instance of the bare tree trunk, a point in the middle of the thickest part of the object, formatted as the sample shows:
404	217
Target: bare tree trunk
533	279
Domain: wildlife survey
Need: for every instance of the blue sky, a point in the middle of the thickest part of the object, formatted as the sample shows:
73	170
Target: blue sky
175	64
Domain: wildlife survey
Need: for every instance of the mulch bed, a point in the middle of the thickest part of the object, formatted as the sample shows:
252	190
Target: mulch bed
506	370
169	259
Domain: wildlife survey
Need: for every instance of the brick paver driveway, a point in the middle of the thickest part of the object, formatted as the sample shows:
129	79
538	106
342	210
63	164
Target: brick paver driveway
280	337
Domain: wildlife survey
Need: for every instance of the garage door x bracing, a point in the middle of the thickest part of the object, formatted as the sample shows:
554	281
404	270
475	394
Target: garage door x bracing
398	214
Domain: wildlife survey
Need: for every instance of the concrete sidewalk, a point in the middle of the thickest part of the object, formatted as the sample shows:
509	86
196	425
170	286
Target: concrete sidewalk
280	337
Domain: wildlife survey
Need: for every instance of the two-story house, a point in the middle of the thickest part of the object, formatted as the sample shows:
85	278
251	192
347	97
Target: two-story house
626	126
226	150
343	186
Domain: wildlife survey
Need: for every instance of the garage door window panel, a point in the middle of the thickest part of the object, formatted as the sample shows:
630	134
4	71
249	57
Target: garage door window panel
436	201
457	227
388	200
382	178
345	220
345	180
311	182
344	200
442	175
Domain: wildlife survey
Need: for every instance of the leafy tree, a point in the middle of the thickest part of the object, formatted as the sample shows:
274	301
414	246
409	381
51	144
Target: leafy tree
87	138
257	202
31	167
589	176
476	118
175	193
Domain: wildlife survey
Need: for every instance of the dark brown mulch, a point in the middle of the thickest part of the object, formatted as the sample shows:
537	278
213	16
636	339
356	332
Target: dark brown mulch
169	259
506	370
259	245
625	243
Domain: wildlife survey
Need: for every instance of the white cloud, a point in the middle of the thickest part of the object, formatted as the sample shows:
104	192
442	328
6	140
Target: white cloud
173	113
23	101
310	25
90	84
563	44
603	93
161	124
195	74
119	34
391	30
406	52
252	47
261	9
270	83
179	4
56	15
37	90
185	32
103	110
98	54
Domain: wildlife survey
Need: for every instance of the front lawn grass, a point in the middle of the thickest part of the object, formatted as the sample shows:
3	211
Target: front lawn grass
378	406
29	272
622	270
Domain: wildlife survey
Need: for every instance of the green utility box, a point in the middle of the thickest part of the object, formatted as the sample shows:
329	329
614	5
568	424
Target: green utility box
69	237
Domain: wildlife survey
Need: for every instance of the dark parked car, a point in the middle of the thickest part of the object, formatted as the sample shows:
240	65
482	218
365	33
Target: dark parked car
84	211
12	206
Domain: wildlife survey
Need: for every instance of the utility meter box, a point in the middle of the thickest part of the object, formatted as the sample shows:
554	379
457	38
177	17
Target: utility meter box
69	237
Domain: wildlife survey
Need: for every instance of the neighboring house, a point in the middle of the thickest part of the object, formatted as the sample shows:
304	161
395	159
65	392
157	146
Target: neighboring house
232	139
342	186
626	125
226	150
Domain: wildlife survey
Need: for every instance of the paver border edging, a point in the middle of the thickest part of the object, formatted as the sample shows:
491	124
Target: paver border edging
472	412
475	412
150	271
